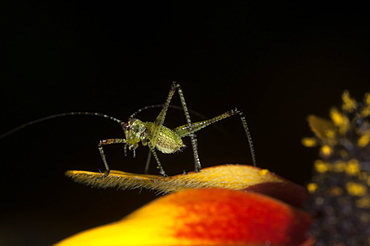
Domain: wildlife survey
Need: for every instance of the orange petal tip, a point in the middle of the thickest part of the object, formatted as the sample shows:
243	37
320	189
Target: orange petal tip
204	217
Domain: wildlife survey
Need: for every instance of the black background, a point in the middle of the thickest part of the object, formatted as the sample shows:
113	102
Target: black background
278	62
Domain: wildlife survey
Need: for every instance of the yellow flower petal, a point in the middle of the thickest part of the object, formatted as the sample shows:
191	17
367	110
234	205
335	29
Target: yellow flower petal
320	126
235	177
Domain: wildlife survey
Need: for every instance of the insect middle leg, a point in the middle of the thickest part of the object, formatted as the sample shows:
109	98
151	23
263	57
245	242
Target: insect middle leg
184	130
159	165
102	154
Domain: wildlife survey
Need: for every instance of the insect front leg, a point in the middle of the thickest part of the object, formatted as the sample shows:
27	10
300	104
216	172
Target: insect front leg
101	151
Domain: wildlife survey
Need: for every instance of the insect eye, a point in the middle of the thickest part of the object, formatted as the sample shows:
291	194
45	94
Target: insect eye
125	126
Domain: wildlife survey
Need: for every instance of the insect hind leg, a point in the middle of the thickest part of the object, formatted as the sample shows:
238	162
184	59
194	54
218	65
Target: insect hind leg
248	134
184	130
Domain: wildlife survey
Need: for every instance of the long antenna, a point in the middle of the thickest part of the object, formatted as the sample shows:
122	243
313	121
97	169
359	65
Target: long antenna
201	116
56	116
92	114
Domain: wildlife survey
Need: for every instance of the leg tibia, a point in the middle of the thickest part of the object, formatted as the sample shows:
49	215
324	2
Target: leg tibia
184	130
101	151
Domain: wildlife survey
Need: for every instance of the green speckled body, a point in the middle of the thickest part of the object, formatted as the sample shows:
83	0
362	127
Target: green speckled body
168	141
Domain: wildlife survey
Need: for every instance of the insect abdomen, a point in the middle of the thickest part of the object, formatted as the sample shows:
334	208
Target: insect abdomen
168	141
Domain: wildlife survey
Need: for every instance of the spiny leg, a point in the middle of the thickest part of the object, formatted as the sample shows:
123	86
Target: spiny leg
193	137
153	138
184	130
161	170
248	134
101	151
